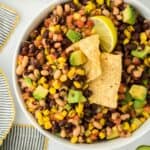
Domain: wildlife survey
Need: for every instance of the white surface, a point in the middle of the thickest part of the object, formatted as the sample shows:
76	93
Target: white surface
27	9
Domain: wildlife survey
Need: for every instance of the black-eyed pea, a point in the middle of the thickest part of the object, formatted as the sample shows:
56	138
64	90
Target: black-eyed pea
118	2
31	76
97	125
36	73
25	61
59	10
19	70
76	131
63	133
57	74
44	73
67	8
115	11
42	103
30	68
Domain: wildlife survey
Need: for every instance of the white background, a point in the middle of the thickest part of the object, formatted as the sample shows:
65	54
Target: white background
27	9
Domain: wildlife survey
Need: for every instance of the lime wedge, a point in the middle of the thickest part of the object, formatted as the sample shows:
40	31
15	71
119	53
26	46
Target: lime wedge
107	32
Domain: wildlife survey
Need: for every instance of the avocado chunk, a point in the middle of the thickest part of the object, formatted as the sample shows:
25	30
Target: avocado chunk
114	134
28	82
143	147
40	93
75	96
138	92
77	58
141	54
139	104
129	15
73	36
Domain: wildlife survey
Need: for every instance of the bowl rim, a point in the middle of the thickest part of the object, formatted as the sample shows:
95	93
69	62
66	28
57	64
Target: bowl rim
116	143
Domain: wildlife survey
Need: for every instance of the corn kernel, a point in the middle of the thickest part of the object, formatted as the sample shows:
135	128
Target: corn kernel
79	109
71	113
85	86
64	113
126	41
45	119
63	78
52	90
74	139
42	80
59	116
146	114
143	37
53	109
46	86
100	2
90	127
40	122
43	30
89	7
61	59
46	52
133	126
95	131
127	34
87	133
102	135
47	125
50	59
88	140
46	112
39	38
126	126
71	73
80	72
56	84
38	115
102	122
76	16
77	84
142	120
105	110
131	29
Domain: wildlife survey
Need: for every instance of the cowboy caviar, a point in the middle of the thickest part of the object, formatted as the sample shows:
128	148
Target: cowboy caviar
55	88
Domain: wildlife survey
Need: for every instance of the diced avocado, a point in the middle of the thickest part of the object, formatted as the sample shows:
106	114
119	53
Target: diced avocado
75	96
73	36
28	82
77	58
143	147
40	93
138	92
114	134
141	54
139	104
129	15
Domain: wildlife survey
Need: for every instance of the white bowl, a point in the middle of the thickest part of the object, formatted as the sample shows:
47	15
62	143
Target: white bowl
106	145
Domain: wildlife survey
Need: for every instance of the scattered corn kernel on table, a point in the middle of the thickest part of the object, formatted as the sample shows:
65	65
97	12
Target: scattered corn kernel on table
27	10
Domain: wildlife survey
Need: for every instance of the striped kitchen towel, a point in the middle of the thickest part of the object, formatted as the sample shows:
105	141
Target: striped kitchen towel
7	110
24	137
8	21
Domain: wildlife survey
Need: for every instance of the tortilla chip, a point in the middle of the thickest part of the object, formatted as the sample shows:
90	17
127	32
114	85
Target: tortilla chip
90	47
105	87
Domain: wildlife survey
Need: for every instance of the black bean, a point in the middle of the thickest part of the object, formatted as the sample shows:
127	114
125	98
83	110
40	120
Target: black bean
80	78
62	20
135	36
87	93
25	44
84	2
138	28
45	34
73	6
62	123
24	50
109	123
56	127
68	83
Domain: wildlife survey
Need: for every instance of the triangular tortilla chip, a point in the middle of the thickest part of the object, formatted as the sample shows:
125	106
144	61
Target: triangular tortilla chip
90	47
105	87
